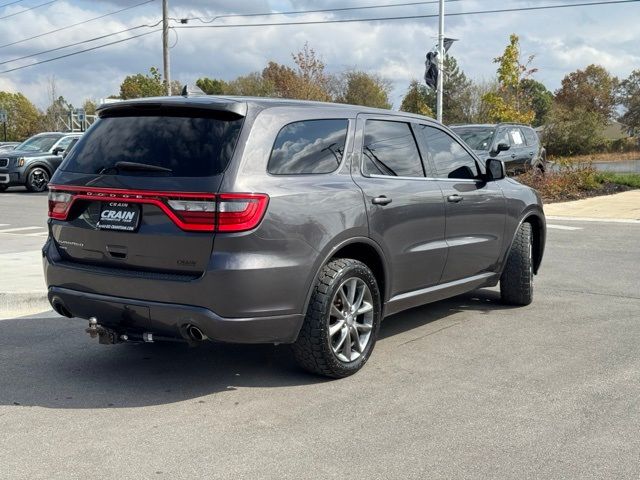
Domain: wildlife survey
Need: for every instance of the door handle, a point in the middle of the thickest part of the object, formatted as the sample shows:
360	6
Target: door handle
513	155
531	153
455	198
381	200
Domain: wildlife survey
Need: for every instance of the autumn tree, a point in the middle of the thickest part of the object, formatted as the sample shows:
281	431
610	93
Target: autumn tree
415	100
284	79
139	85
362	88
592	89
211	86
509	103
23	118
312	81
251	85
630	99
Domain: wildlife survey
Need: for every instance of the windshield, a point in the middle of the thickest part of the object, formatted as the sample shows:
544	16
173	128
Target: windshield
183	146
478	138
41	143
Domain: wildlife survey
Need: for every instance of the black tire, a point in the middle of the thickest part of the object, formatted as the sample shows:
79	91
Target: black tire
3	187
37	179
516	282
313	349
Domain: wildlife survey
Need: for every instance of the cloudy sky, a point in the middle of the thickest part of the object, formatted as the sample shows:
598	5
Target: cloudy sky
562	40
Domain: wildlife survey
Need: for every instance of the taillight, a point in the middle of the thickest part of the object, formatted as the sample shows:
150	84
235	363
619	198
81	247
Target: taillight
238	212
194	212
59	204
197	212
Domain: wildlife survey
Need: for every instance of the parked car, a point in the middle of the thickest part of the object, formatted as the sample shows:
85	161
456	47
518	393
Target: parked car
278	221
7	146
33	161
517	145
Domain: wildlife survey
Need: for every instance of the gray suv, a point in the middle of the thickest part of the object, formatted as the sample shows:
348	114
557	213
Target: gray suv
517	145
252	220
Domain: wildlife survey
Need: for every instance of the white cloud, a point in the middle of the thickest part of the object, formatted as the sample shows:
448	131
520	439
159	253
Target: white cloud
563	40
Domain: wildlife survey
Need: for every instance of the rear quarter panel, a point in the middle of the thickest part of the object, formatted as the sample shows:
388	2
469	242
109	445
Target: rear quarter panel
307	216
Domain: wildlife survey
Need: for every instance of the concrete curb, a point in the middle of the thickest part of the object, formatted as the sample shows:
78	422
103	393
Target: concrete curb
18	304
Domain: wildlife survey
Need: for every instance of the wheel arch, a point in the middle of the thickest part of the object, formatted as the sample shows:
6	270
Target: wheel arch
538	231
358	248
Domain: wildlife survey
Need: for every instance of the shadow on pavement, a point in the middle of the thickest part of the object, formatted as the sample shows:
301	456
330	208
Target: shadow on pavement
52	363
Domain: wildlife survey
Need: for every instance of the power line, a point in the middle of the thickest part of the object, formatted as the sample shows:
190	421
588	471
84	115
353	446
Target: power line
406	17
76	24
11	3
324	10
411	17
89	40
27	9
80	51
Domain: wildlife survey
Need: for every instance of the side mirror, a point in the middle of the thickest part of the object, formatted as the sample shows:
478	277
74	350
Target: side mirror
495	169
501	147
58	150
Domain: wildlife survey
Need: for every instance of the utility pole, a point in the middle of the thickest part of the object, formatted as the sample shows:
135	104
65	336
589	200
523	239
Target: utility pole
165	45
440	59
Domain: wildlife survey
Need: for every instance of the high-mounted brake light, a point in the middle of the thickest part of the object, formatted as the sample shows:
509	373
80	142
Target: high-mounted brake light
198	212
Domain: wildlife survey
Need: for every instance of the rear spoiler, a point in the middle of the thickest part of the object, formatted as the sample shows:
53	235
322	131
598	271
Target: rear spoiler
202	103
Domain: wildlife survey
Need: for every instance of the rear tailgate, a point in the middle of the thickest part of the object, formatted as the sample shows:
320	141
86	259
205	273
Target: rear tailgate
107	214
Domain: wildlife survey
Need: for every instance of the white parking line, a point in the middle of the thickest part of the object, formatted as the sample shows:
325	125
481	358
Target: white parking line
592	219
563	227
20	229
4	224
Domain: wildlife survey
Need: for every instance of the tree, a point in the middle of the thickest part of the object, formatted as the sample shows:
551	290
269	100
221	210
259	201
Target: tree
139	85
252	85
361	88
509	103
574	131
415	100
541	99
312	81
285	81
592	89
89	106
23	118
456	93
211	86
630	100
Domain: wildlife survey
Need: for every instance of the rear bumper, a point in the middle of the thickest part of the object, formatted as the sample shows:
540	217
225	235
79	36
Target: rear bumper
168	319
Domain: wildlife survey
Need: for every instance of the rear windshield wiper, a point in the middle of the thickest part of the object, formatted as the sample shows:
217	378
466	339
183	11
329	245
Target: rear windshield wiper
143	167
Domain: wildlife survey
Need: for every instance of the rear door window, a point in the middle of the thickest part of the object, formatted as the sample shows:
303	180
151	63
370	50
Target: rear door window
517	139
389	148
307	147
189	143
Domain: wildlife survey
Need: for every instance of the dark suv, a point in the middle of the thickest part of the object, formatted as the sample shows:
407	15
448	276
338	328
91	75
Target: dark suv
262	220
33	162
517	145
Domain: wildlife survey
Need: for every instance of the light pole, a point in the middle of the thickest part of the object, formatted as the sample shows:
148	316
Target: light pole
440	60
165	45
3	119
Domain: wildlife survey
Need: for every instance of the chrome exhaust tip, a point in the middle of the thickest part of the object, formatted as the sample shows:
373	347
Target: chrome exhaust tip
196	334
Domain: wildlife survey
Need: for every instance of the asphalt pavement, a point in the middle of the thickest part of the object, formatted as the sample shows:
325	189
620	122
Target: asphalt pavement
463	388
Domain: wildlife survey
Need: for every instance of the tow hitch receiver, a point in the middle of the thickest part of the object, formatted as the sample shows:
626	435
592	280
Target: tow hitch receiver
106	336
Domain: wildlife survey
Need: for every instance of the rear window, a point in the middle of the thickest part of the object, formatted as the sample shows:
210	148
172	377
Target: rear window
311	146
191	146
